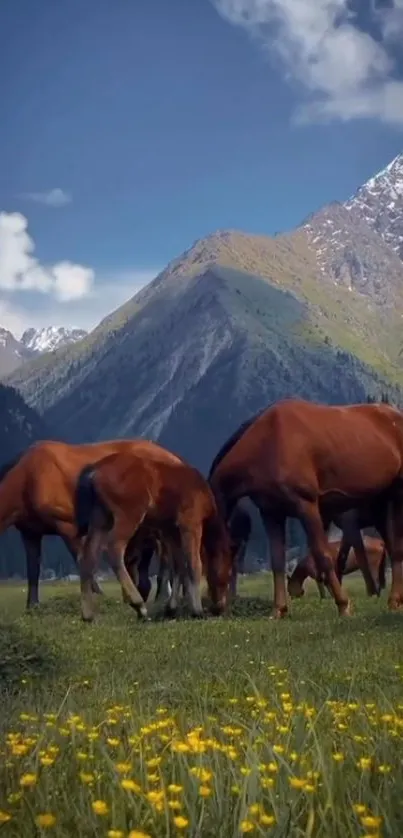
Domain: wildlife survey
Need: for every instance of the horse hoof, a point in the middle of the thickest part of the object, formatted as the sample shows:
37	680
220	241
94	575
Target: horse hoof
197	615
279	613
345	609
395	603
87	618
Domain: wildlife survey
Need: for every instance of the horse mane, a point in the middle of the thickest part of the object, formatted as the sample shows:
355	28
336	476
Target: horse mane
6	467
232	440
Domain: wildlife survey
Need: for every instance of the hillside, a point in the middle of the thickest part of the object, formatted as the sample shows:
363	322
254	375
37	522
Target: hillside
236	322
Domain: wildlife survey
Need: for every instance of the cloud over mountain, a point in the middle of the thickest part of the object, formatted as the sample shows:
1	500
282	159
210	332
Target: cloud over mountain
346	64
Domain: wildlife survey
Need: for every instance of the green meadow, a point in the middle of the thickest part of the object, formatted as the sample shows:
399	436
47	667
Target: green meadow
221	727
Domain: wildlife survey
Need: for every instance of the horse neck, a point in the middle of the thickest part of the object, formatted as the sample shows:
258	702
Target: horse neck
11	497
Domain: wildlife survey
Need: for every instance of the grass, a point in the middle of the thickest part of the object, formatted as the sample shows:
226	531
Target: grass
213	728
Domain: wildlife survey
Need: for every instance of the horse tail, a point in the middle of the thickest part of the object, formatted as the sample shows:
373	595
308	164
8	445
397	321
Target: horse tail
85	500
382	570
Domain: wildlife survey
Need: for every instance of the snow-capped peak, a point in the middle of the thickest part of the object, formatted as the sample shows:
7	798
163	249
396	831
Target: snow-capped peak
50	338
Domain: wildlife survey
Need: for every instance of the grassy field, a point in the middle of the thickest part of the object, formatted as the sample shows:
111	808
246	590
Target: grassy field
215	728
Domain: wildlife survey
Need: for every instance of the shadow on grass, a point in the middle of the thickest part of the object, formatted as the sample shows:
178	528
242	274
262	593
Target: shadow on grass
25	656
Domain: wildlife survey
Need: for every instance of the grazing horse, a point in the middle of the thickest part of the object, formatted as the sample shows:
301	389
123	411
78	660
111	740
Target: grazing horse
37	497
144	484
376	553
310	461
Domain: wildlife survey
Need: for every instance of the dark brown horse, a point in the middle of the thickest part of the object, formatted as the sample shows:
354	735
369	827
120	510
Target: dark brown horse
146	485
309	461
376	554
37	497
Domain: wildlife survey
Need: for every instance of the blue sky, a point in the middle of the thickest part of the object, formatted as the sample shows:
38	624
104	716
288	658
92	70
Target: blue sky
132	127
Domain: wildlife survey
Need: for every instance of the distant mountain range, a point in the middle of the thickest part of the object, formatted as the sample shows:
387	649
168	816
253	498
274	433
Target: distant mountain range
33	342
236	322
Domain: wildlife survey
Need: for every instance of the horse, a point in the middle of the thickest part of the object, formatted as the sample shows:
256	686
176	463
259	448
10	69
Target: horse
144	484
37	497
376	553
311	461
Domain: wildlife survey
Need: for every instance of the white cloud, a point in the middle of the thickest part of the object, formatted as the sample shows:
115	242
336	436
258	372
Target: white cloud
108	293
346	72
53	198
20	270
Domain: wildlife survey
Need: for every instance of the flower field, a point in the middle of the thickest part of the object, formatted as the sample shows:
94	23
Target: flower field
222	727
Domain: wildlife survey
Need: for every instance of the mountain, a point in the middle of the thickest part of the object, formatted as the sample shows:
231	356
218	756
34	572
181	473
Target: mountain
50	338
233	324
14	353
379	202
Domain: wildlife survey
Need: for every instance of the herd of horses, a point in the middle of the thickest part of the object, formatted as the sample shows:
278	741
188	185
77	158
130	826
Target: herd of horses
127	498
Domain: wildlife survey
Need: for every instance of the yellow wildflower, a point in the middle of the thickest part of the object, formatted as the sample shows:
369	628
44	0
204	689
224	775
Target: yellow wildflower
205	791
138	833
45	821
175	805
130	785
246	826
86	778
364	763
267	820
123	767
338	756
297	782
359	809
47	760
99	807
371	821
28	780
181	822
4	817
173	788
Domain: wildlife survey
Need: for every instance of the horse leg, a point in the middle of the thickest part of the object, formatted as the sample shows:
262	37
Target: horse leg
91	547
192	571
32	545
117	540
164	587
319	547
322	589
394	546
75	547
275	531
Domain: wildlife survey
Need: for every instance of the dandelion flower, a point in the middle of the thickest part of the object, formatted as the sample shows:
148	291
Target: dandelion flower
123	767
175	805
181	822
99	807
205	791
46	820
138	833
359	809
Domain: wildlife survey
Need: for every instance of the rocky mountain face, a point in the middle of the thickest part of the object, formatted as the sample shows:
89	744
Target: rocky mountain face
380	204
33	342
50	338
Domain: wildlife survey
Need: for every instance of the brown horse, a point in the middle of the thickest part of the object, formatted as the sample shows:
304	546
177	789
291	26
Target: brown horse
37	497
376	553
311	462
144	484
